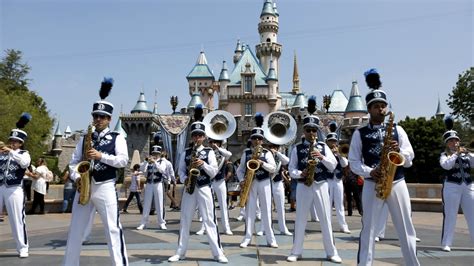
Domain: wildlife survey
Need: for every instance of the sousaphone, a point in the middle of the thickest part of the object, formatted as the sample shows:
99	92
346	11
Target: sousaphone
279	128
220	124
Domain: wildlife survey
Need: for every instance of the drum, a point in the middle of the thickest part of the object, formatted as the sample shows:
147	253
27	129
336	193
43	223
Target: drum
233	188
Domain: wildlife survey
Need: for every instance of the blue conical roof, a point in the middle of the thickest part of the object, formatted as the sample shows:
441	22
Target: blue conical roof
300	101
195	100
58	131
141	106
201	69
268	8
271	72
224	76
356	102
155	109
439	112
119	129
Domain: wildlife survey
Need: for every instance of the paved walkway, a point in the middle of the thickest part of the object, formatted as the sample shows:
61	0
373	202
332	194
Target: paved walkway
48	233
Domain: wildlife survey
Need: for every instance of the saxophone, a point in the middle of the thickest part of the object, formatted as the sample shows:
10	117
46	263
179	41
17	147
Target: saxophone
312	162
193	172
84	168
252	166
389	161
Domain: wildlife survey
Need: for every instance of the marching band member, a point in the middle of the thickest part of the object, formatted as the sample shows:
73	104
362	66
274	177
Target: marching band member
197	191
218	184
458	188
170	181
260	187
155	172
336	188
108	153
13	163
364	158
278	189
312	187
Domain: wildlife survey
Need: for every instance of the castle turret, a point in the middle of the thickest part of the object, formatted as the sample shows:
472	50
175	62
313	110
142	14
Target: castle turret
57	142
238	52
272	81
141	106
119	129
224	80
201	79
268	49
356	105
296	77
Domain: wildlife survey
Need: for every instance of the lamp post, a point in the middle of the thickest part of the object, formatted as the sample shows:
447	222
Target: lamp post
174	102
326	102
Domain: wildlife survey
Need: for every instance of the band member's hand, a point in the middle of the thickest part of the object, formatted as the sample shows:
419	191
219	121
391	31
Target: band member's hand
394	146
93	154
78	184
198	163
317	154
273	150
376	173
214	146
242	183
5	149
304	173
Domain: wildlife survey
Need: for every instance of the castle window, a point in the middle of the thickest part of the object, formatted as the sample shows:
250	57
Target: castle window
248	84
268	40
248	109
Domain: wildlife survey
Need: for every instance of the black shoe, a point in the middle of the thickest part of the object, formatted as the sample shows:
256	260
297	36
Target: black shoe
292	210
231	207
124	211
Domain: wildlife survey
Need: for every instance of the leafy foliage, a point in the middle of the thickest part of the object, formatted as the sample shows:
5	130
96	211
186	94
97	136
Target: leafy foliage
16	98
426	138
461	99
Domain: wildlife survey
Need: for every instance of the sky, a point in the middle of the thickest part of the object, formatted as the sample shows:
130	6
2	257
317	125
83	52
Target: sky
419	48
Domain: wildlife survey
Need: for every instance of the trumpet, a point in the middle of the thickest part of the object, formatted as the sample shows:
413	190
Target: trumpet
2	145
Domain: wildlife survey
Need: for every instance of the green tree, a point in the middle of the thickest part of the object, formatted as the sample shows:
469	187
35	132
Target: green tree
461	99
16	98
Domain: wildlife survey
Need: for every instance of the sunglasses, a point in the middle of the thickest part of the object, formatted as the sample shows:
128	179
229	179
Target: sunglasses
95	116
309	130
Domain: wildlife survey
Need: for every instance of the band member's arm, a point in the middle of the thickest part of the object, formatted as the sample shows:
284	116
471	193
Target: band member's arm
355	157
405	147
211	167
343	161
269	165
170	172
242	168
75	159
224	153
283	158
143	166
293	165
329	160
447	161
23	159
120	159
182	169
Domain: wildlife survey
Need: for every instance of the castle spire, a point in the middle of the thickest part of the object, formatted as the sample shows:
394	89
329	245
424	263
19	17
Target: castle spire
296	77
439	112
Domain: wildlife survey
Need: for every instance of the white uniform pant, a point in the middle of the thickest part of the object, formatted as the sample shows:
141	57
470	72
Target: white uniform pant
399	206
202	198
382	223
104	200
154	191
278	191
453	195
317	194
14	199
336	198
260	190
313	215
220	189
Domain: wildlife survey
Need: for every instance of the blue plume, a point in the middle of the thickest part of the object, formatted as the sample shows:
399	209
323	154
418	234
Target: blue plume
312	104
24	119
259	119
449	122
332	126
106	87
156	138
372	78
198	112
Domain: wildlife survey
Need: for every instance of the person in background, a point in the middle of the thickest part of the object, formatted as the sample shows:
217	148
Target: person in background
69	190
170	182
134	189
39	185
353	189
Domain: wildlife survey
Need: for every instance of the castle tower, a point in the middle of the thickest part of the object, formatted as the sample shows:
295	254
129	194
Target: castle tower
139	127
57	142
223	82
238	52
269	49
201	80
